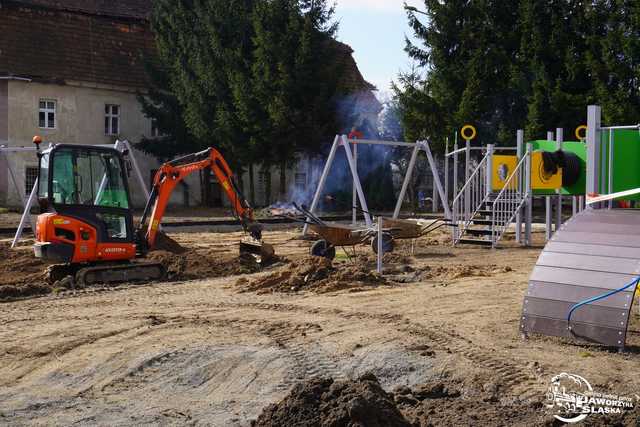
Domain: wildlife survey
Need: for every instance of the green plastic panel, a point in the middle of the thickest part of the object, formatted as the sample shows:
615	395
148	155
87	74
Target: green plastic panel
580	149
626	155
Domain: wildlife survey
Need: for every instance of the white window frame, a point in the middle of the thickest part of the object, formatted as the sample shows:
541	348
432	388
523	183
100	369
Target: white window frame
109	115
155	130
27	187
46	110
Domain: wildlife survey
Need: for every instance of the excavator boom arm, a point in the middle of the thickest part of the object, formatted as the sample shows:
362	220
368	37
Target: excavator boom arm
172	173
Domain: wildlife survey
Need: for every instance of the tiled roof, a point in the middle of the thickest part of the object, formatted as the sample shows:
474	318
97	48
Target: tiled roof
352	79
137	9
103	42
55	45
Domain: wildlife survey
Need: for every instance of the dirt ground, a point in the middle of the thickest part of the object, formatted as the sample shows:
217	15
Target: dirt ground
433	342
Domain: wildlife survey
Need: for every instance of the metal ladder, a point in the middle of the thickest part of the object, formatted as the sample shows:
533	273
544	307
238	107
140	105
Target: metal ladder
482	216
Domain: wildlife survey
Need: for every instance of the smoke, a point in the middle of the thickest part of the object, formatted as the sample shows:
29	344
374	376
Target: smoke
359	111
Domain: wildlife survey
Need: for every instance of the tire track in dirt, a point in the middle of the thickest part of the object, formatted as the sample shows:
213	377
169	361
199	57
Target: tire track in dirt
55	353
513	374
140	374
89	292
515	377
310	362
307	362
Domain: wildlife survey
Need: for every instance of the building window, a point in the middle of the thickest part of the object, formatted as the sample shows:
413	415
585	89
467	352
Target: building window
155	132
111	119
47	114
30	176
301	181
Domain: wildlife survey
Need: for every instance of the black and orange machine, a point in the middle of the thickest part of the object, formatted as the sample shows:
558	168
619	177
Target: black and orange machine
86	223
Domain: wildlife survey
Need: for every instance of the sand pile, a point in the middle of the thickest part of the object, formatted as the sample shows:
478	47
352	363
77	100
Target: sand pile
314	274
21	273
325	402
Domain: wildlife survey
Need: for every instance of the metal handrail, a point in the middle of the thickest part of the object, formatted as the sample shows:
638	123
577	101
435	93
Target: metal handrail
469	194
466	184
510	196
463	149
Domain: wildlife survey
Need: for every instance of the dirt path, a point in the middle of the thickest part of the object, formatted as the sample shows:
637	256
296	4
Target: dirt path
201	352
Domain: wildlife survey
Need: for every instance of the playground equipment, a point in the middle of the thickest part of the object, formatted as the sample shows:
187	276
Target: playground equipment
594	253
349	145
501	188
583	284
382	237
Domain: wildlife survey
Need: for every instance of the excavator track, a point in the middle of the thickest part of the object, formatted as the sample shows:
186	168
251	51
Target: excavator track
121	273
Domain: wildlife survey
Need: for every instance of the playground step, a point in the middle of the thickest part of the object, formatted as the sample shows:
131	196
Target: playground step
481	221
487	212
509	204
477	242
478	232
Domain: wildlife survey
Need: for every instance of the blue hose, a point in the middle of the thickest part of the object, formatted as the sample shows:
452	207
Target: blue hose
599	297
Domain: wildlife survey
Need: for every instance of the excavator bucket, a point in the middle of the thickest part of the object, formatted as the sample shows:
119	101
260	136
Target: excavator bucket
256	251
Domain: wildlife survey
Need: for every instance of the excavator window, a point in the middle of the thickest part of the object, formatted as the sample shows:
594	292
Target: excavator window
86	177
43	177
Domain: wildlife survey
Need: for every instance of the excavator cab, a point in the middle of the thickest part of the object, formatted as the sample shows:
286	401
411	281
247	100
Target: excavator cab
85	205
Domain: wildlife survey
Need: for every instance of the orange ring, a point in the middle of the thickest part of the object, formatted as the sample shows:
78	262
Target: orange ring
578	134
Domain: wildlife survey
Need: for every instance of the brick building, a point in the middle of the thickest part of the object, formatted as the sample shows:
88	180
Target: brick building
70	70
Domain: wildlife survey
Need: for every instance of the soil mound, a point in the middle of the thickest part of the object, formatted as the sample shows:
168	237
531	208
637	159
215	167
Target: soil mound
167	244
202	264
24	275
188	264
470	402
315	274
325	402
21	273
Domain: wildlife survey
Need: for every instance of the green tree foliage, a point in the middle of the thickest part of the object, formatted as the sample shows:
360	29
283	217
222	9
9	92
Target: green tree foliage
535	64
163	107
256	78
293	81
203	46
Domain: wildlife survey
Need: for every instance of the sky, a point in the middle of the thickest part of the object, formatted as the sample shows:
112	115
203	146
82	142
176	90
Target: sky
375	29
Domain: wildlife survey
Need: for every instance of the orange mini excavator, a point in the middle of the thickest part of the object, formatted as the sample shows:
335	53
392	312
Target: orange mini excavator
86	224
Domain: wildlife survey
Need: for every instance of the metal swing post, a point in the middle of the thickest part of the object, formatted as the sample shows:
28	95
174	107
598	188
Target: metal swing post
321	183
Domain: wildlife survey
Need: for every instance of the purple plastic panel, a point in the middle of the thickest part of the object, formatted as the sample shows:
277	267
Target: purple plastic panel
579	331
593	249
596	238
575	294
595	252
